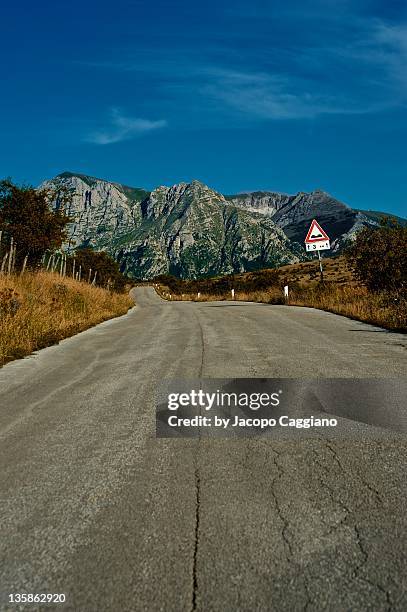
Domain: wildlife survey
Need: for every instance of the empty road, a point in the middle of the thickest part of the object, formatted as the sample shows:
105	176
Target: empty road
93	506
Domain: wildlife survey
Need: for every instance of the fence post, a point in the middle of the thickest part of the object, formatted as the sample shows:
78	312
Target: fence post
24	265
3	263
10	259
13	258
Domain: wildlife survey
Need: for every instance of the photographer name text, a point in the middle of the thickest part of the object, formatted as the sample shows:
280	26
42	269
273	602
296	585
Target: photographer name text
238	421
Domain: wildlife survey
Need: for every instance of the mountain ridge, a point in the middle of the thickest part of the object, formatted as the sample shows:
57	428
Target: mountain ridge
191	230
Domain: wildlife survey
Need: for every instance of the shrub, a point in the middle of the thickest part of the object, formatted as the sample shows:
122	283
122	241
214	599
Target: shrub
379	257
26	217
106	268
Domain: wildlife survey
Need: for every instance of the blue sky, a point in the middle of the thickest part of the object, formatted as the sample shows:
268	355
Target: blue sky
244	95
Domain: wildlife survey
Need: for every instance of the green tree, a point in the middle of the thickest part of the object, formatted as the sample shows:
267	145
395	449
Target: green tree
378	257
106	268
25	216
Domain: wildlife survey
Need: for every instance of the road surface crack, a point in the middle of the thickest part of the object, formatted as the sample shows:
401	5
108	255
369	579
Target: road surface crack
285	527
197	478
330	446
356	574
358	568
196	540
284	521
202	344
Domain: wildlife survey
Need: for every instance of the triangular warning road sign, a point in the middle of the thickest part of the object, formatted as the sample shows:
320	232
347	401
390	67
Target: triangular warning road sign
316	233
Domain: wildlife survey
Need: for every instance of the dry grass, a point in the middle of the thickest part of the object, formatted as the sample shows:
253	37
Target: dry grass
40	309
355	302
340	294
350	301
336	270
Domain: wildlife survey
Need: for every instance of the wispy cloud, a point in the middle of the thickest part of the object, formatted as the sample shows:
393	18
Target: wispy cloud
278	97
365	74
122	127
343	64
387	47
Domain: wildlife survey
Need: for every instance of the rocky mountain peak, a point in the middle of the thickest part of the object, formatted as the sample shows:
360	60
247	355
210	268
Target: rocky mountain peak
191	230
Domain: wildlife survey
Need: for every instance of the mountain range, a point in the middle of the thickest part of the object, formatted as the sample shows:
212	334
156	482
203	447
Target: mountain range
190	230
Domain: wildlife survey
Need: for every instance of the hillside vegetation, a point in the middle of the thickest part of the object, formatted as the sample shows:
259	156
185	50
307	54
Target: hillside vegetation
47	294
39	309
271	281
342	291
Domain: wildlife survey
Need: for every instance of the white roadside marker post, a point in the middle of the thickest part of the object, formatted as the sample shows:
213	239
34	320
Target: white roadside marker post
233	294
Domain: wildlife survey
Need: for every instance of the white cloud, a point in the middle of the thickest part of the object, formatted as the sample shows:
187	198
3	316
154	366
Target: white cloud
122	128
389	47
379	53
393	36
269	96
350	65
372	77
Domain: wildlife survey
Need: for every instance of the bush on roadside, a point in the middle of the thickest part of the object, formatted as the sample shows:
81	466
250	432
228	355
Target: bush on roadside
378	257
222	285
97	266
25	217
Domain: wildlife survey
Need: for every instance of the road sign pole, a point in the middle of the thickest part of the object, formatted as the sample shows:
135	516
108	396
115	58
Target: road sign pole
317	240
320	267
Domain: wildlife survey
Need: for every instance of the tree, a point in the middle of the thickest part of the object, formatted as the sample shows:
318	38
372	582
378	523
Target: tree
25	216
106	268
378	257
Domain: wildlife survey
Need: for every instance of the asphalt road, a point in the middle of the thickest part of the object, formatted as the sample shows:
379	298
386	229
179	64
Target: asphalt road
97	508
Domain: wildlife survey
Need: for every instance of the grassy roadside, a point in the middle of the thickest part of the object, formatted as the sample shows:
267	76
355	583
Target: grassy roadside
339	294
355	302
349	301
40	309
